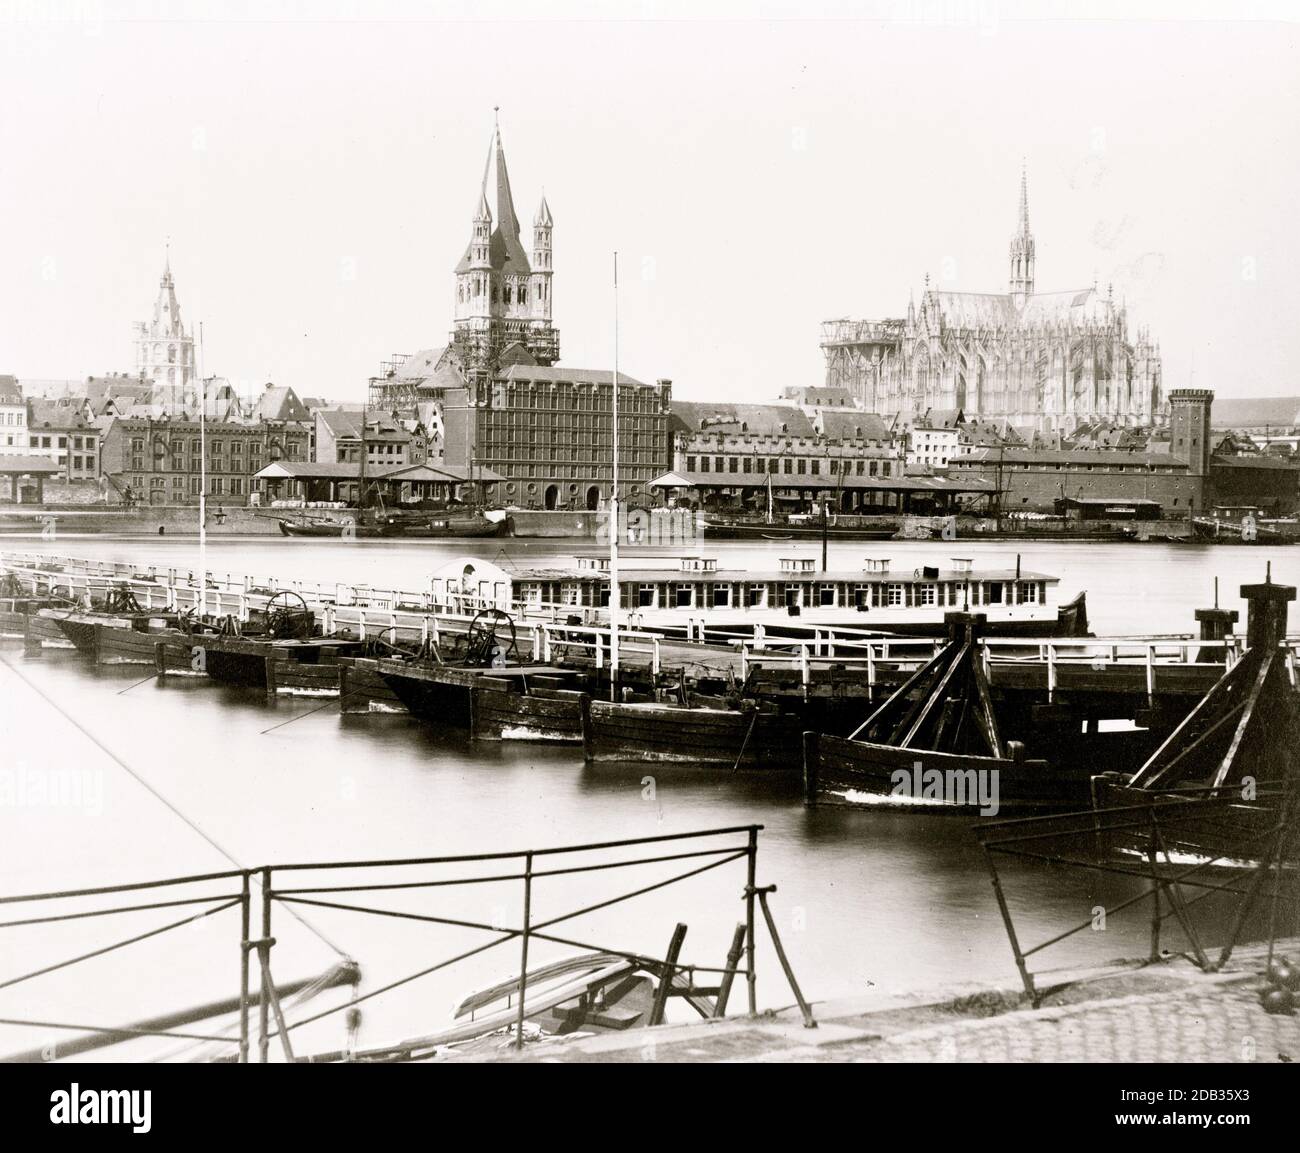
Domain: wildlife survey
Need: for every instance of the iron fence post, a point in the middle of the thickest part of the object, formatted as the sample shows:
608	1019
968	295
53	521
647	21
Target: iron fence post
751	977
245	916
1026	977
264	1002
523	952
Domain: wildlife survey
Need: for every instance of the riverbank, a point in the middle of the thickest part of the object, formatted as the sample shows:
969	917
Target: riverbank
180	520
1127	1011
540	524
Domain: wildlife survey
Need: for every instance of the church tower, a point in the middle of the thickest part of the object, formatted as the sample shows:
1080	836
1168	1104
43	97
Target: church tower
164	351
1022	249
503	304
542	271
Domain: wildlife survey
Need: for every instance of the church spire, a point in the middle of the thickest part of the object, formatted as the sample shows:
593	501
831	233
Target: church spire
501	298
1022	247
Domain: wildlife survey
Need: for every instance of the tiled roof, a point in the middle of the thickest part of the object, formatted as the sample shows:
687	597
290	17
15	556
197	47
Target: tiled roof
1078	456
341	422
10	392
570	375
280	402
50	414
755	419
998	310
421	364
853	425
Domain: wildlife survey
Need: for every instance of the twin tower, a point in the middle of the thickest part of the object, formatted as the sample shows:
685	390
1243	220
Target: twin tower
503	303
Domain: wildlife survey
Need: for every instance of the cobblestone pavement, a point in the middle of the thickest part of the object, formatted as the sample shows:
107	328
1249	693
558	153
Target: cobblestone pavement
1186	1016
1223	1024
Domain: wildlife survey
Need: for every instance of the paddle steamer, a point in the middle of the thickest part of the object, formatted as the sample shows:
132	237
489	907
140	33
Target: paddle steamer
692	597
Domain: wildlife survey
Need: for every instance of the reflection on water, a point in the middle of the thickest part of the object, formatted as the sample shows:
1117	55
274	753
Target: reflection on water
867	901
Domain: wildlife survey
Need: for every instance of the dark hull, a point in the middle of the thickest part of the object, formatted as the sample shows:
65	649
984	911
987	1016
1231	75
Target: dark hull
697	736
44	632
1231	834
335	530
439	527
724	531
834	766
414	527
362	690
504	714
438	701
15	611
132	646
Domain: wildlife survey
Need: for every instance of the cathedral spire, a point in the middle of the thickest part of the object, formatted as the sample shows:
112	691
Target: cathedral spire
1022	247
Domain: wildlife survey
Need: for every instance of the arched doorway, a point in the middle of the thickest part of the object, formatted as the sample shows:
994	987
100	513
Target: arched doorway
593	497
551	497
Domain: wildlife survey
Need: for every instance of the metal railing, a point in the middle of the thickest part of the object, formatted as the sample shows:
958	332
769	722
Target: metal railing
1179	838
690	855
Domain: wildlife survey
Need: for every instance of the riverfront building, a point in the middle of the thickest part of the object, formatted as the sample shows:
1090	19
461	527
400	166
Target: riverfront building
159	461
1183	475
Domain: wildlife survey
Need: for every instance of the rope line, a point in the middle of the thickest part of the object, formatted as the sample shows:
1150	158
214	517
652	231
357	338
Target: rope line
156	794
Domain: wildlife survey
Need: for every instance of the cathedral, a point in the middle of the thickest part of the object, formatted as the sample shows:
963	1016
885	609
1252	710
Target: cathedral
1046	361
164	351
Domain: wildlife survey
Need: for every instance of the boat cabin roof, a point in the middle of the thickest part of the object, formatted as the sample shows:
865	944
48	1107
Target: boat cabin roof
639	570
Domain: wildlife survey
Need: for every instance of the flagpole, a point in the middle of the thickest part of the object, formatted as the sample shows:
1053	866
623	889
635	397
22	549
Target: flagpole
614	592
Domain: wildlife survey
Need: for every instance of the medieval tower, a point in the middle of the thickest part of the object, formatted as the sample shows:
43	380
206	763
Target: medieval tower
164	351
503	303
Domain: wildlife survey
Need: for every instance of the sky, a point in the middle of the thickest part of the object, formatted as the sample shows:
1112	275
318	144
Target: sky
315	169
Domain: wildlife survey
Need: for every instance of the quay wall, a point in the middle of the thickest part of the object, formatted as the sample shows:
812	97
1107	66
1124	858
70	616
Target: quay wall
168	520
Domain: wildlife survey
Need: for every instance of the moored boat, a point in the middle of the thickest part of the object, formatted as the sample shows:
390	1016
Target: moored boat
935	742
748	736
691	596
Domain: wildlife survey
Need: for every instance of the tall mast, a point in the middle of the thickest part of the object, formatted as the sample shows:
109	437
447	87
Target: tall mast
203	483
613	519
361	494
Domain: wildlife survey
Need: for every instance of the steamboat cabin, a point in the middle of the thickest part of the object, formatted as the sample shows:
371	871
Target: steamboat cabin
690	594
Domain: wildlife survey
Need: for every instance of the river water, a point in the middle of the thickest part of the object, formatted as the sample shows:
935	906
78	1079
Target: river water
184	777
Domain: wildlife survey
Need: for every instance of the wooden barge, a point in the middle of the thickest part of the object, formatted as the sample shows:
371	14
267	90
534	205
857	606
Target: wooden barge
1227	779
307	666
748	736
523	702
935	743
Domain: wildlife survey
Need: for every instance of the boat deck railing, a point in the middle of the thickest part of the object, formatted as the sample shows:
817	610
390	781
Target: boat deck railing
551	632
374	888
872	656
545	633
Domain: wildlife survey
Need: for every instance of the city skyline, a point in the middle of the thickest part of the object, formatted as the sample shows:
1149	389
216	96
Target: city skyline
820	202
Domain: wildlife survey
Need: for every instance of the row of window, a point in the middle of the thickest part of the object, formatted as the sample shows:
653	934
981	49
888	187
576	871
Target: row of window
774	594
215	446
569	397
78	442
785	465
217	485
215	465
